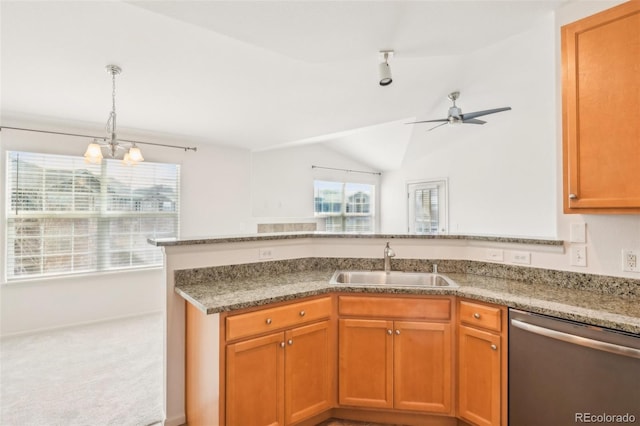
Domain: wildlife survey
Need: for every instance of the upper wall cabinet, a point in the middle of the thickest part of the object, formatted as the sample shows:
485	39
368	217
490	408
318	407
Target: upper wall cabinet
601	112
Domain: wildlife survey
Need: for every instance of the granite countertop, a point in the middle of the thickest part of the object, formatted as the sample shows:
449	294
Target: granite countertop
604	310
168	242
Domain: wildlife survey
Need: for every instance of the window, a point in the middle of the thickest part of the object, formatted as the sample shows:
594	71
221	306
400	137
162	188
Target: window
427	207
347	207
66	216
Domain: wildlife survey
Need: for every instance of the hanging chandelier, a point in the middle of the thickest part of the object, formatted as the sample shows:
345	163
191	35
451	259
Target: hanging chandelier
132	154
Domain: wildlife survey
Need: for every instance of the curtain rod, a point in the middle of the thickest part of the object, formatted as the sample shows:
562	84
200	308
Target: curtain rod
347	170
186	148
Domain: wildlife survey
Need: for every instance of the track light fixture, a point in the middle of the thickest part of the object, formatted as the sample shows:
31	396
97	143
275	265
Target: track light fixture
383	69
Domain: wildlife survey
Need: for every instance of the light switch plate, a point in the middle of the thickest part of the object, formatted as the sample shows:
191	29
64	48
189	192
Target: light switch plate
578	233
495	255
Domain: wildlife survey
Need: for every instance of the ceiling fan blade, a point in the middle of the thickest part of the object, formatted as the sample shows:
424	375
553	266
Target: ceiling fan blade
471	115
429	121
438	126
473	121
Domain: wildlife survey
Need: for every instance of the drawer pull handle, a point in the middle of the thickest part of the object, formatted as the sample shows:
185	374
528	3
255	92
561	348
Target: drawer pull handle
268	321
494	347
476	315
290	342
282	344
389	332
302	313
397	332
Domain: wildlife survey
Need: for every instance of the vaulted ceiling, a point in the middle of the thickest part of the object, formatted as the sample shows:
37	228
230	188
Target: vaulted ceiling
252	74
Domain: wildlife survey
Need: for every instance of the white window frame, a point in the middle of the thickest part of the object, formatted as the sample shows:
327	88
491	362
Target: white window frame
442	184
103	216
373	204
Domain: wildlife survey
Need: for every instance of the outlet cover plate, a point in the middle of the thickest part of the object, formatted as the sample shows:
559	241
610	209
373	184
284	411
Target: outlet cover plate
631	260
578	256
522	257
265	253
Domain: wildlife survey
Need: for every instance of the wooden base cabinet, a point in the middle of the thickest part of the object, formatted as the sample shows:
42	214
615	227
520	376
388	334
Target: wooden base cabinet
255	381
281	378
286	376
398	364
482	364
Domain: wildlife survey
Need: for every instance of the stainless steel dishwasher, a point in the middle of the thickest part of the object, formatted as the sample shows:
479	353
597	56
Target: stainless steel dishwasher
566	373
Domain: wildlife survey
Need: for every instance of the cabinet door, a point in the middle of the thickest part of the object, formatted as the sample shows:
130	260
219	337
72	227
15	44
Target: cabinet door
309	371
255	382
366	363
479	380
422	366
601	106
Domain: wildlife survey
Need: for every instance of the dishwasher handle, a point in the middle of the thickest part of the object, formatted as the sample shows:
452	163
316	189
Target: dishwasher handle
577	340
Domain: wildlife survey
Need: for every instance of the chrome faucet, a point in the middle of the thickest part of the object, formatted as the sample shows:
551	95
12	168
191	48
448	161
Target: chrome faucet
388	254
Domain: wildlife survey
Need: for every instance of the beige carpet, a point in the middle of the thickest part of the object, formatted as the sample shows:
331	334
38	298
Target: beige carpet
103	374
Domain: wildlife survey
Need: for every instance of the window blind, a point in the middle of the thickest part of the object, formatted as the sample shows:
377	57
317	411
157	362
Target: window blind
65	216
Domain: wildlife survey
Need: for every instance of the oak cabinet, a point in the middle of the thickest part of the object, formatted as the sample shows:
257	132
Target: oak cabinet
482	362
600	110
400	364
283	377
255	381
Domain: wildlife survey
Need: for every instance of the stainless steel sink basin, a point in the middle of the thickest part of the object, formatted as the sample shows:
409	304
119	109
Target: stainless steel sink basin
391	279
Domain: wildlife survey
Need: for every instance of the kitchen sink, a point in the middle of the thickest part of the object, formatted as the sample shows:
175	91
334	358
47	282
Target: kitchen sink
391	279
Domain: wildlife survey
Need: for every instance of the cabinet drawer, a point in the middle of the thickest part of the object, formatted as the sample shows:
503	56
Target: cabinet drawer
480	315
268	319
395	307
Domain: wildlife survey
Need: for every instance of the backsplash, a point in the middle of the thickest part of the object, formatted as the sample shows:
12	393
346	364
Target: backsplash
616	286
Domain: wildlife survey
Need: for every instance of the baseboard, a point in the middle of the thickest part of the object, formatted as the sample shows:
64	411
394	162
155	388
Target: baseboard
176	421
78	324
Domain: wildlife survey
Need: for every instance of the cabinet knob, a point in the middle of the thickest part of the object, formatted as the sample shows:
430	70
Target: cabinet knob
268	321
302	313
290	342
397	332
494	347
476	315
282	344
573	196
389	332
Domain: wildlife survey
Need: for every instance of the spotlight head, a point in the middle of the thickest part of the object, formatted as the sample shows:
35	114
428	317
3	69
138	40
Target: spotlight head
385	74
384	70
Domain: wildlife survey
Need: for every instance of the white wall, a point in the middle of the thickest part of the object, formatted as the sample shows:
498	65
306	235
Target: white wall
501	175
282	179
214	184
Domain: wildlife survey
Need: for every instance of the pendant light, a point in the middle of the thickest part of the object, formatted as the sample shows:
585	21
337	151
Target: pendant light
93	154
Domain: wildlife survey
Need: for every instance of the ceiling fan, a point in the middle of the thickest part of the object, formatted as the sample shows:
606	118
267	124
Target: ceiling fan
456	116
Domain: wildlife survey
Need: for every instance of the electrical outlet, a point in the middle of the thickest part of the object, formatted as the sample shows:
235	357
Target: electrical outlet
522	257
578	256
496	255
630	260
265	253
